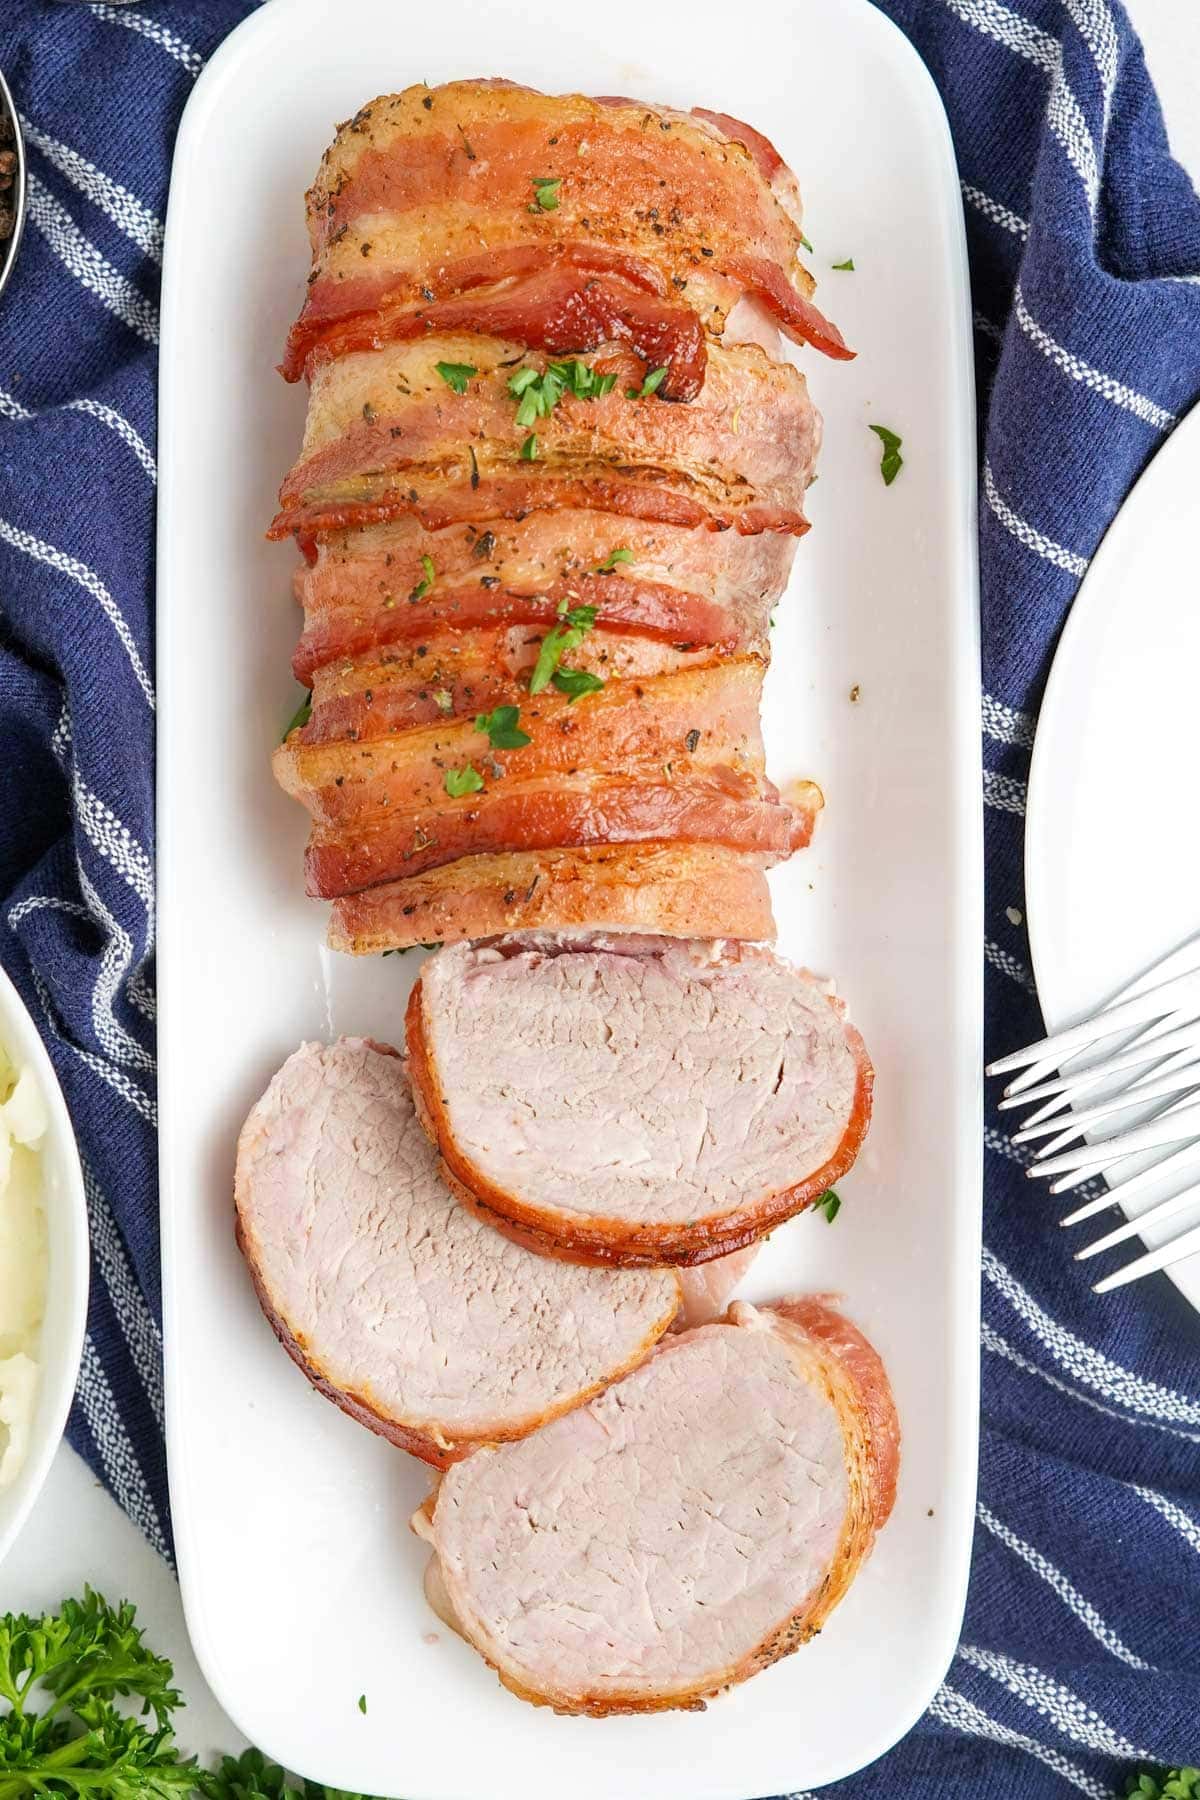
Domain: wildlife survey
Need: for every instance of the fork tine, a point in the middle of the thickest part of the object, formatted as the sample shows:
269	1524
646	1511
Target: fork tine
1162	1258
1147	1047
1154	1003
1136	1094
1121	1191
1157	1215
1171	1128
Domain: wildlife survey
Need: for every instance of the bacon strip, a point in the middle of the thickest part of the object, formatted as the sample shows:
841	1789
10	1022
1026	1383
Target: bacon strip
386	436
676	586
419	183
682	890
548	815
556	307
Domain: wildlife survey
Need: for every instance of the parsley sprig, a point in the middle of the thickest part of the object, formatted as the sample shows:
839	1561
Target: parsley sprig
558	642
539	392
458	782
891	462
456	375
62	1732
503	731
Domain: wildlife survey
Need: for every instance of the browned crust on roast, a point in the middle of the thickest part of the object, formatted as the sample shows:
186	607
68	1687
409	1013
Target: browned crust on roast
437	1450
801	1625
671	890
617	1243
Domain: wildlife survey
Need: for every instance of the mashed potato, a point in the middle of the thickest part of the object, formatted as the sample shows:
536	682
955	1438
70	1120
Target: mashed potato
22	1260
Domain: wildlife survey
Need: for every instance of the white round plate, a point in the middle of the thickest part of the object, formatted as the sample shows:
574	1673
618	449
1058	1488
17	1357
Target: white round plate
1112	848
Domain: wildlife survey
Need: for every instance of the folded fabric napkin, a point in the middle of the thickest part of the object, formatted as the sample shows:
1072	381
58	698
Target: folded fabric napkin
1080	1656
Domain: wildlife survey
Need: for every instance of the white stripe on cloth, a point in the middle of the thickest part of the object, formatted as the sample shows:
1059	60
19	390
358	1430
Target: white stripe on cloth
951	1708
995	210
92	270
1095	24
138	1325
999	1346
115	963
1004	792
115	842
117	1453
121	1083
1058	1584
1008	965
1184	1524
11	408
158	34
1064	115
91	584
1006	724
1140	405
1037	541
1084	1361
1071	1717
124	209
118	953
141	995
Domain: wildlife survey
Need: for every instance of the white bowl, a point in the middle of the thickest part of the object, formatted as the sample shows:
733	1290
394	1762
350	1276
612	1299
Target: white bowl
65	1207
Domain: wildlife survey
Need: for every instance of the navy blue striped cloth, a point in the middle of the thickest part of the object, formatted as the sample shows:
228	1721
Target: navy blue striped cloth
1080	1655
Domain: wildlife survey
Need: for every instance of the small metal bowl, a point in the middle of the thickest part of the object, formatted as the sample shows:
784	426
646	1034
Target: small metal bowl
10	246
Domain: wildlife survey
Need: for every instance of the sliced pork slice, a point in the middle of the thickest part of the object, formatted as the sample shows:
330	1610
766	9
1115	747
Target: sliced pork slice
635	1100
386	436
674	889
676	756
487	192
696	1522
709	1287
368	590
415	1318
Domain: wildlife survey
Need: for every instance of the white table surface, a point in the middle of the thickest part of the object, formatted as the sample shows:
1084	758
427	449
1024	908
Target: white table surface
77	1534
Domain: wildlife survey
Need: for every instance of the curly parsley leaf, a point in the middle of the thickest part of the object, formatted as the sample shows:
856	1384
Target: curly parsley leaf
456	375
1165	1784
301	716
502	729
466	780
575	683
545	192
891	462
429	576
611	560
559	641
651	385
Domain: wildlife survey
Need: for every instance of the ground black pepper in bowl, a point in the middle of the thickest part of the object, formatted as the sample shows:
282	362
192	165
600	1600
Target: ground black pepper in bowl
12	183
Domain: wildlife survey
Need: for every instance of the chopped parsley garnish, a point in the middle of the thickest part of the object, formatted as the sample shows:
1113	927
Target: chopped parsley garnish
891	462
529	449
848	264
558	641
502	729
652	383
611	560
362	1703
456	375
806	243
545	192
301	716
829	1204
538	394
423	586
466	780
575	683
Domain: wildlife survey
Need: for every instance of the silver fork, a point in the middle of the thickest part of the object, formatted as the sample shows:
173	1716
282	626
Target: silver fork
1118	1097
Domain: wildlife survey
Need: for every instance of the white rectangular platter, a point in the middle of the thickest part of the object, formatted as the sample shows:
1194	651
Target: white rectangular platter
300	1578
